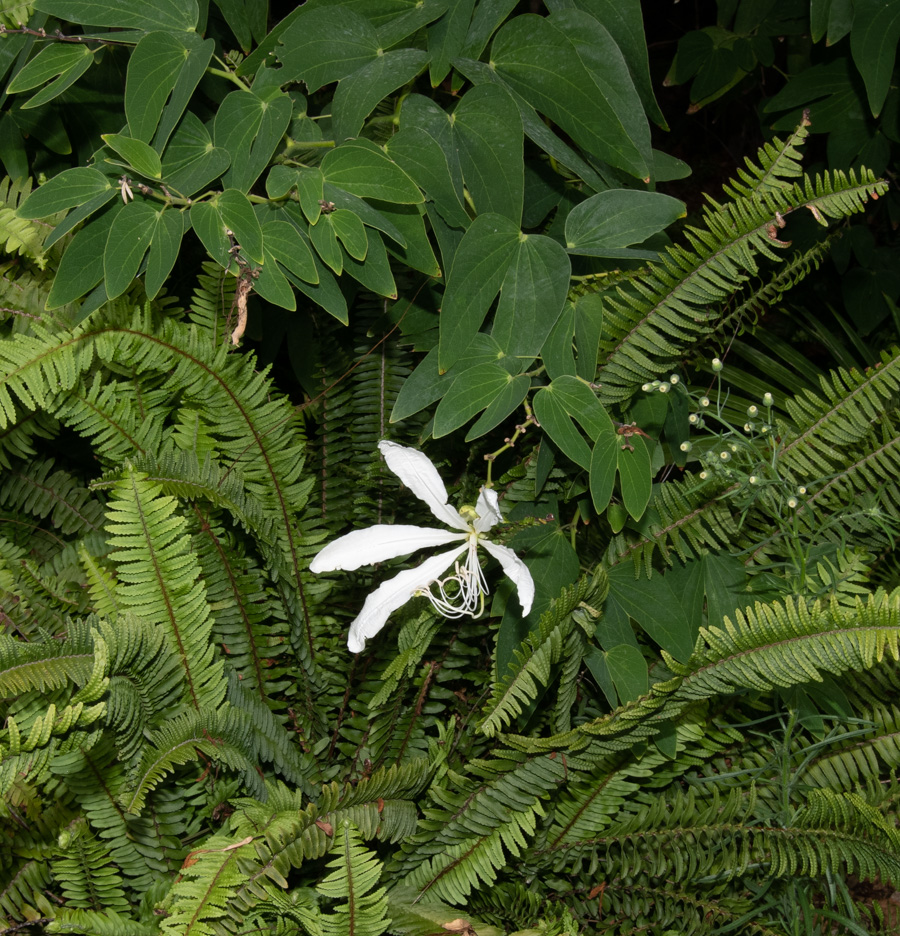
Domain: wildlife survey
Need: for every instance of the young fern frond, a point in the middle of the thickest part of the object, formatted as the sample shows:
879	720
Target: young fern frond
85	872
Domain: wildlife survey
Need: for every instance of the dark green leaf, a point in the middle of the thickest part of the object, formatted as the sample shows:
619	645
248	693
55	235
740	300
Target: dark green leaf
153	69
588	328
51	61
362	168
325	293
555	421
479	267
250	129
487	132
325	44
68	189
628	670
273	286
446	38
324	239
375	271
472	391
595	660
12	149
350	232
140	156
506	402
580	402
570	69
81	267
172	15
209	227
416	251
419	14
163	250
604	464
246	19
191	161
129	237
489	14
359	93
78	215
420	155
557	353
532	296
283	241
237	214
656	606
64	81
192	71
635	475
873	43
366	213
619	218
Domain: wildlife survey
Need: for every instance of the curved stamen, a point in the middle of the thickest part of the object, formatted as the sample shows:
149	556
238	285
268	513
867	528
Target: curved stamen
467	597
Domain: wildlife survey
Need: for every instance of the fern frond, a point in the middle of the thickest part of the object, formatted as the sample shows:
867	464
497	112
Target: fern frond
85	872
159	579
776	163
17	235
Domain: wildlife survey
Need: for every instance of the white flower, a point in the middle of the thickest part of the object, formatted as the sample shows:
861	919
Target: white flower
458	594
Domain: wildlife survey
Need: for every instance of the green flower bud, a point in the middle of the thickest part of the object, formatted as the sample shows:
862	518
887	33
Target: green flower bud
704	401
673	379
685	446
693	419
725	456
752	410
717	365
768	399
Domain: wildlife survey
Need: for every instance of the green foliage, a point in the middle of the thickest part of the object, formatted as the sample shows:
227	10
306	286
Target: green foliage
260	254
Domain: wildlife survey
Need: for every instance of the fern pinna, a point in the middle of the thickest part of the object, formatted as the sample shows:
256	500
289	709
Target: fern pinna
188	748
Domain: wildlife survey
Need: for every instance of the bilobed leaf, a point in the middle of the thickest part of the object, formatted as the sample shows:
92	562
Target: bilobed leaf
374	272
358	94
140	156
635	475
209	227
164	249
557	352
369	215
420	155
67	190
52	60
350	232
619	218
66	78
237	214
250	129
75	217
656	606
192	70
362	168
532	295
129	237
284	243
580	402
246	19
556	422
325	44
325	292
479	267
873	44
153	69
191	161
472	391
416	251
171	15
628	670
543	63
446	38
324	239
487	131
273	286
504	403
604	465
81	267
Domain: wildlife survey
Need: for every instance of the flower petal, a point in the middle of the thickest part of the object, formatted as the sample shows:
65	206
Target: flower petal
514	568
488	509
377	543
416	470
389	596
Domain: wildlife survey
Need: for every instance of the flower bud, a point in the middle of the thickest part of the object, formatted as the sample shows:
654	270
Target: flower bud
752	410
801	490
748	427
725	456
685	446
753	479
717	365
703	475
673	379
704	401
646	387
792	502
768	399
733	447
693	419
663	388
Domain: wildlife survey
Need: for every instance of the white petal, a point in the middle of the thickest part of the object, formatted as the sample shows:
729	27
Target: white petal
514	568
488	509
394	593
416	470
377	543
